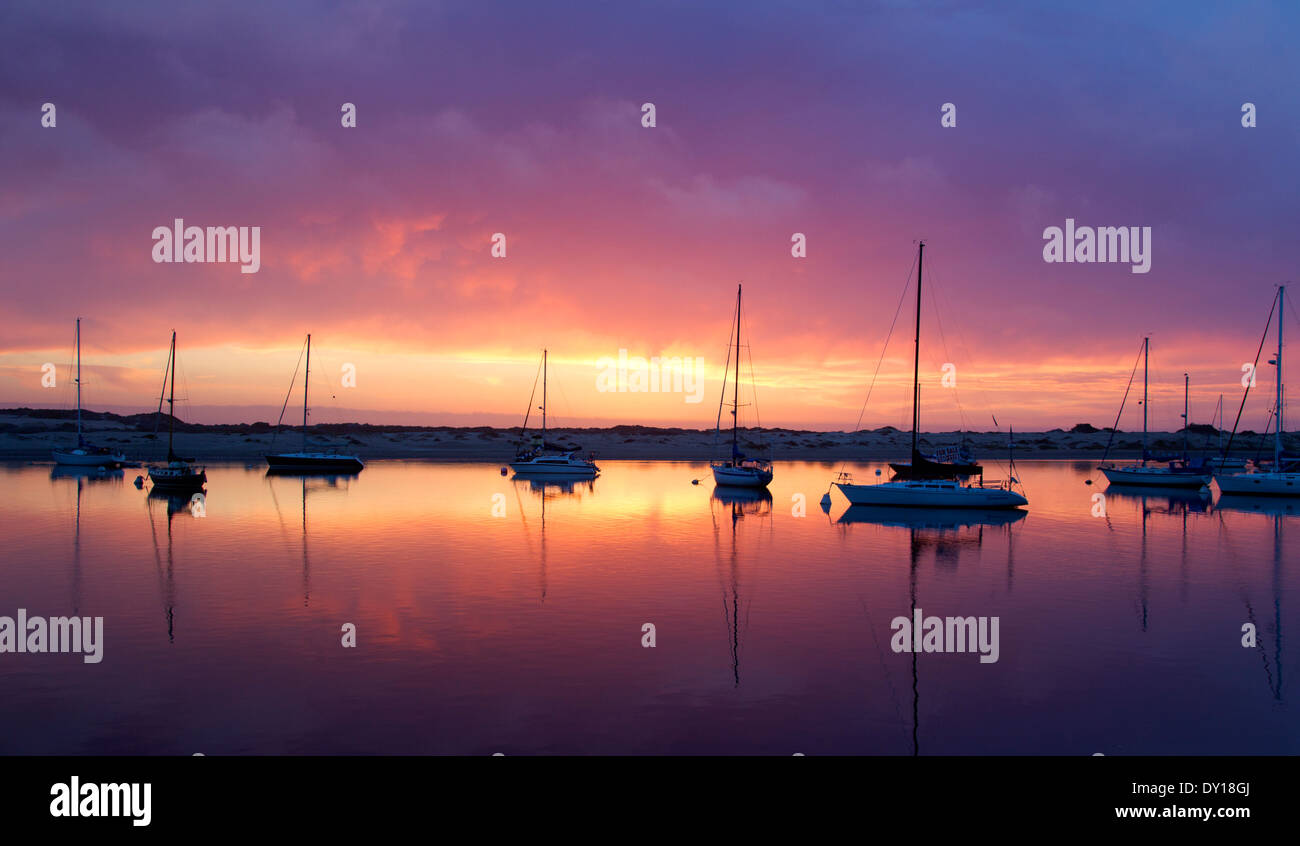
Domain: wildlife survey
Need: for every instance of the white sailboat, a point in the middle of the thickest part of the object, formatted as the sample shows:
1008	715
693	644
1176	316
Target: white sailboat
85	454
178	474
536	461
739	471
1173	473
925	483
1278	480
312	461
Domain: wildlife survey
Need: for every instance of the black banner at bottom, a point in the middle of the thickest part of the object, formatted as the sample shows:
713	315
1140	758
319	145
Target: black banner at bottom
639	795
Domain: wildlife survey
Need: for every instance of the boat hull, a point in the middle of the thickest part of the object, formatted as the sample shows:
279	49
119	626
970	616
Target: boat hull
930	518
82	458
934	470
1157	477
1260	484
173	479
310	462
573	469
741	477
929	495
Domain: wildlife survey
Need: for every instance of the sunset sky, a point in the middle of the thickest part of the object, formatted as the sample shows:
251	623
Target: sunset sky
771	118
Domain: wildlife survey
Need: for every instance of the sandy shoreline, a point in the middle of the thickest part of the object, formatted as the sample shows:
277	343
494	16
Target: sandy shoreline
24	437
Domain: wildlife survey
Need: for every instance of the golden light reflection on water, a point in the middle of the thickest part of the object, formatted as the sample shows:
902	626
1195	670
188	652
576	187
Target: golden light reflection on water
514	609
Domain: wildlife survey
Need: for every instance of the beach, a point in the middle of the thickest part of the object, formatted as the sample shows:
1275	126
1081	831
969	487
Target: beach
27	435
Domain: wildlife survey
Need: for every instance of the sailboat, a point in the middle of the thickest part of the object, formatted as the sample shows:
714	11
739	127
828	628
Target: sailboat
85	454
1176	473
1221	461
739	471
950	463
178	474
312	462
1278	480
926	482
535	460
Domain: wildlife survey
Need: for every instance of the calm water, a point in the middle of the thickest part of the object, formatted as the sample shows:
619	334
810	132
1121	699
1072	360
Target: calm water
521	633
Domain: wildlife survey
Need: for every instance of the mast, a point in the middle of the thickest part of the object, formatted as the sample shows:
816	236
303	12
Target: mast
1186	422
171	402
735	386
1220	426
1277	435
1146	371
543	400
305	378
80	442
916	361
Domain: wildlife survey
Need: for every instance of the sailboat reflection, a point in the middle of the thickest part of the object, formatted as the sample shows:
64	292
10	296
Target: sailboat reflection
928	518
1153	503
947	533
744	501
93	475
547	488
82	476
1277	509
319	482
736	504
947	542
1271	505
176	503
1176	500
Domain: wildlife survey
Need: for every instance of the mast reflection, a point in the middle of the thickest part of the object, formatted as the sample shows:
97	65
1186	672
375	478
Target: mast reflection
736	504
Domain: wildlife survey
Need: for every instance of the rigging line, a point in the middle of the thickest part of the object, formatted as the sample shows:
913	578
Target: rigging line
70	381
288	394
1246	393
531	396
1115	428
564	402
1263	437
162	392
717	427
884	668
897	311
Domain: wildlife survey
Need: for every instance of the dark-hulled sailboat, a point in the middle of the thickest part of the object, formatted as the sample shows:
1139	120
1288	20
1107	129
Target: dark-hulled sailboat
308	461
178	474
